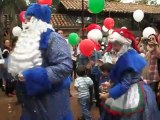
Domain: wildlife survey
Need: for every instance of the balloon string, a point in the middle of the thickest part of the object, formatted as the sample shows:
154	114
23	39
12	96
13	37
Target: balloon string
109	8
139	28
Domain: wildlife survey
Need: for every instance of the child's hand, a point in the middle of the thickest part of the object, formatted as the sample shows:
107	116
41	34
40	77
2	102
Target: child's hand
90	64
146	81
103	96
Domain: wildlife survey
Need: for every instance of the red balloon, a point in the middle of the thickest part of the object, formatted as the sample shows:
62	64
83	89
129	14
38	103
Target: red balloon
97	45
86	47
109	23
46	2
22	16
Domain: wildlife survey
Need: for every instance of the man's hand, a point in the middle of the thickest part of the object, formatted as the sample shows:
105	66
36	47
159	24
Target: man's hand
90	64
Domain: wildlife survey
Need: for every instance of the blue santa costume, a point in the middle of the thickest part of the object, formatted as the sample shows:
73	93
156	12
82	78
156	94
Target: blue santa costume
42	56
129	98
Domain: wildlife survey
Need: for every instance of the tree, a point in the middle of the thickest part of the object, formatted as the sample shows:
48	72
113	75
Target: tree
8	11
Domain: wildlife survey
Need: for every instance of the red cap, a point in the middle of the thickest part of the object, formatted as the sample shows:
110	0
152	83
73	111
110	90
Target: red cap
93	26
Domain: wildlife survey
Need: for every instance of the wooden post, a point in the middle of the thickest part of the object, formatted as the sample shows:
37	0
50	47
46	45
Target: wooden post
82	19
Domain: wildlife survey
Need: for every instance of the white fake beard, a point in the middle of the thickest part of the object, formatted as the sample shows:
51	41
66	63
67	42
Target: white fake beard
26	53
123	50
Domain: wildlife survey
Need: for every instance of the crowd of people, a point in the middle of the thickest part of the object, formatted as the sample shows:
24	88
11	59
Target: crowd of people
123	78
117	72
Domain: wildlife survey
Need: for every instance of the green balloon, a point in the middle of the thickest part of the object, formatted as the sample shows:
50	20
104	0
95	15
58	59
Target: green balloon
96	6
73	39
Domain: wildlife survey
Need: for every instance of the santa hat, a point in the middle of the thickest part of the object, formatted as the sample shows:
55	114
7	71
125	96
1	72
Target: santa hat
123	36
42	12
94	32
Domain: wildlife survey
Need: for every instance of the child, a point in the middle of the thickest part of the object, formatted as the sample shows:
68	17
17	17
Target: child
104	84
82	84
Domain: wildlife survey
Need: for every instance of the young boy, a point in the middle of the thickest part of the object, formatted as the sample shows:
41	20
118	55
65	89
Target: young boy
104	85
82	84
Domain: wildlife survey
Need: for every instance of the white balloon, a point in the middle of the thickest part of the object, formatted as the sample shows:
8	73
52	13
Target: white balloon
148	31
95	35
16	31
104	29
138	15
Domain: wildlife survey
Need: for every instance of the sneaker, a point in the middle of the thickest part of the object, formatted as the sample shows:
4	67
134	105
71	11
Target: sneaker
10	95
3	88
81	118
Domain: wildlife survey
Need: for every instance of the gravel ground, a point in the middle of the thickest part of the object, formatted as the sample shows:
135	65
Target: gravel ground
9	110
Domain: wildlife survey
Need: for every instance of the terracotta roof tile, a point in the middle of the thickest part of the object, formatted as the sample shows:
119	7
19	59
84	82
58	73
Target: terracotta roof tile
63	20
112	6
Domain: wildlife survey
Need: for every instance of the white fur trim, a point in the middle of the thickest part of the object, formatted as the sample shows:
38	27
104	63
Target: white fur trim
117	37
26	54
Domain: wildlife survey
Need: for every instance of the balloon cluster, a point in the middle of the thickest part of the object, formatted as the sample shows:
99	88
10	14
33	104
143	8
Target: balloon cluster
88	46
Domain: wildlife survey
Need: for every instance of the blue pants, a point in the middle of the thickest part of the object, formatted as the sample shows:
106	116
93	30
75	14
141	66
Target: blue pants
85	107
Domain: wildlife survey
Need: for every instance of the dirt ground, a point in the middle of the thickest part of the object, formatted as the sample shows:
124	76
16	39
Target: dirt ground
9	110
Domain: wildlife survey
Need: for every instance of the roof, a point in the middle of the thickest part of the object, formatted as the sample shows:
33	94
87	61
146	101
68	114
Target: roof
64	21
76	5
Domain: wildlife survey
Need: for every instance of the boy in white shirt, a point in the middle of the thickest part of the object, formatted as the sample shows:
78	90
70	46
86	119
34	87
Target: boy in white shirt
82	85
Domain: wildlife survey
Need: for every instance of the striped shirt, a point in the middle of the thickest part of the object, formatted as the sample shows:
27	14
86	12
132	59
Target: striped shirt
82	84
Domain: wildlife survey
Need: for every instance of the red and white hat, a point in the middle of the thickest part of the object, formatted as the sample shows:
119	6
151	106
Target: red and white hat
94	32
123	36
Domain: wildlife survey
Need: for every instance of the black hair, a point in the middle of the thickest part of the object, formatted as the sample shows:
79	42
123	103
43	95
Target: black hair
81	70
59	30
106	67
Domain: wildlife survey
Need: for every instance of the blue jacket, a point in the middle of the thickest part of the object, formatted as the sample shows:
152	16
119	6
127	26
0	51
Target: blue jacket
126	72
46	90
